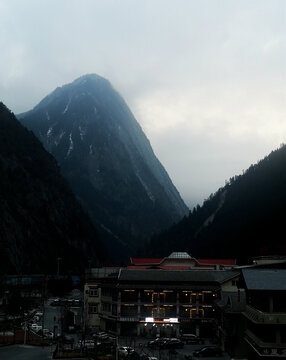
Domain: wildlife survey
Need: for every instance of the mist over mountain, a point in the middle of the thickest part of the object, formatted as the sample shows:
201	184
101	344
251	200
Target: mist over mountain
245	218
40	218
108	161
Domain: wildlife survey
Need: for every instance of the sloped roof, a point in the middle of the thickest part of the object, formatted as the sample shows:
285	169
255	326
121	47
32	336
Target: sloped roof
178	276
265	279
145	261
177	255
138	267
217	261
174	267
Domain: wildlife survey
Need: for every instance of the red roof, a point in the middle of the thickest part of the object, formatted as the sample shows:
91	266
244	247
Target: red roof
136	261
138	267
217	261
174	267
147	262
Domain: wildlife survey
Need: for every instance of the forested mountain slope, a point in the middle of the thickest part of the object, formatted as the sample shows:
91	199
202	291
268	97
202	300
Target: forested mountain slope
244	218
40	218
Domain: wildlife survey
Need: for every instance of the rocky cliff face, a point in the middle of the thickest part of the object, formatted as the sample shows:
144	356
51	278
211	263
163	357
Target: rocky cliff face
40	218
107	159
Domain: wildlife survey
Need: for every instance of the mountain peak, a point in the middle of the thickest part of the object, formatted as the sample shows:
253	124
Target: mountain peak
107	158
89	78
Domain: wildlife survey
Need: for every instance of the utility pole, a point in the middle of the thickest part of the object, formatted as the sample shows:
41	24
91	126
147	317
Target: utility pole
44	283
116	349
25	333
58	267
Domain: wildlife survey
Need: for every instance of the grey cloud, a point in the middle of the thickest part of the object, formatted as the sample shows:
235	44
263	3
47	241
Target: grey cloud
207	76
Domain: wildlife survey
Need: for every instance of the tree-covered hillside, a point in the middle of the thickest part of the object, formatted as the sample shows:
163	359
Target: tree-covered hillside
40	218
244	218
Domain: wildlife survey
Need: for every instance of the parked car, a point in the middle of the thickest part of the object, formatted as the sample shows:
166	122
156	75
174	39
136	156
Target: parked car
49	335
125	350
146	357
107	340
68	339
46	333
35	327
191	339
208	351
55	302
157	343
173	343
88	344
99	334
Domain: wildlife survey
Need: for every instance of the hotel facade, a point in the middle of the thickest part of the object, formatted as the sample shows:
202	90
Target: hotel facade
158	297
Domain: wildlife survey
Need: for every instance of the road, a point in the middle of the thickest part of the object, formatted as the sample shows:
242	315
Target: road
25	352
140	345
52	317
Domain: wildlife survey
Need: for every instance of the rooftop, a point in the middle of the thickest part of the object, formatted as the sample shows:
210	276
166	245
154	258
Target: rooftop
145	261
265	279
179	255
177	276
161	262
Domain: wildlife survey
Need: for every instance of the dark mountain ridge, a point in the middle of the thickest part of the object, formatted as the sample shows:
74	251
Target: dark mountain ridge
245	218
108	161
40	218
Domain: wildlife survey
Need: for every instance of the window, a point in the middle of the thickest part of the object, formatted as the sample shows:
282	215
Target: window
93	291
106	307
92	309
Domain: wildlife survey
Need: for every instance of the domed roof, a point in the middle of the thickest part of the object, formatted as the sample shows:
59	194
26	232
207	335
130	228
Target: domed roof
179	255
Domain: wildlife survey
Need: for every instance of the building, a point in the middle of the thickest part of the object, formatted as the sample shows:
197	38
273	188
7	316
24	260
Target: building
265	312
92	296
253	317
158	296
181	261
244	307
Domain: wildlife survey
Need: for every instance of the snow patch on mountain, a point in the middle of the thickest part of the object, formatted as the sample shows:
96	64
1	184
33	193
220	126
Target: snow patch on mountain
71	145
49	132
148	191
67	106
59	137
82	132
211	218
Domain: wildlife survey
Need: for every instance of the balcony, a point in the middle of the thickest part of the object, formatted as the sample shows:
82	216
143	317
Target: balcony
129	312
265	349
129	318
260	317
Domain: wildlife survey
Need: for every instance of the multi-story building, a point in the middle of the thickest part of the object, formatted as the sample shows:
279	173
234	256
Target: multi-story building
253	316
265	312
152	301
92	296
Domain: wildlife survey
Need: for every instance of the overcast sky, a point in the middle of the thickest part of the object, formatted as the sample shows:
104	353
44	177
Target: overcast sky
206	79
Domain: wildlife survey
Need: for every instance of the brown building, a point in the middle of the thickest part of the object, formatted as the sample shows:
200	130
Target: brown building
179	297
